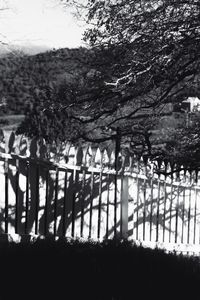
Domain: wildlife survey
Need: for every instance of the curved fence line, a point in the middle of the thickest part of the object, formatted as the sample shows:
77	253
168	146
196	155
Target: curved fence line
76	191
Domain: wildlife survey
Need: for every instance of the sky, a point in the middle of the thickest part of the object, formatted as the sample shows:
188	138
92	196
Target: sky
36	23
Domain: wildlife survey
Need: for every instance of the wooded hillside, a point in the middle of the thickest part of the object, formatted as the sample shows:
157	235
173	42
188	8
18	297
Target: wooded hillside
20	74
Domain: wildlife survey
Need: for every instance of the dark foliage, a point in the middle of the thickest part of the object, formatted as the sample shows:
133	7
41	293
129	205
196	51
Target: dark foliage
113	270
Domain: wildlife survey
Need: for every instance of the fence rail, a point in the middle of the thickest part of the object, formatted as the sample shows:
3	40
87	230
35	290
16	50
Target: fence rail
87	196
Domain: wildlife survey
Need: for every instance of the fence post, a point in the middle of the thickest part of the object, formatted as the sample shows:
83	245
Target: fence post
124	207
117	150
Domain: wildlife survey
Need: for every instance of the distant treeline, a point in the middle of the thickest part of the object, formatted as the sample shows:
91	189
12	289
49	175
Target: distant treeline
20	74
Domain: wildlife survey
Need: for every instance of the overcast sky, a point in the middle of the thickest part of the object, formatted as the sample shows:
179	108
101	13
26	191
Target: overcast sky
39	23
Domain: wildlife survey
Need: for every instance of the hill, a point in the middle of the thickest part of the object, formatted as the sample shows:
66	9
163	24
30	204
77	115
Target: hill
21	73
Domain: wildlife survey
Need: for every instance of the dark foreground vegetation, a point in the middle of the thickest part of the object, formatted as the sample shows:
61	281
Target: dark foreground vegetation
113	270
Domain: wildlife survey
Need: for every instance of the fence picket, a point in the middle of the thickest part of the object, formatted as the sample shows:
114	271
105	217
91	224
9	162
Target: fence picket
56	202
82	202
158	211
27	199
46	203
177	211
144	207
64	216
73	202
108	204
189	215
183	215
6	166
195	217
164	212
37	198
99	206
151	209
17	197
170	212
124	207
137	208
91	203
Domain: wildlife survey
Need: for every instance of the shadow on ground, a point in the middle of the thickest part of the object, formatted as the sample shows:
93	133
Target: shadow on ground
111	270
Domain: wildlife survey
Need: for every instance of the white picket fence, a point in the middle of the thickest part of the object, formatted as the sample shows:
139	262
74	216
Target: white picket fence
76	192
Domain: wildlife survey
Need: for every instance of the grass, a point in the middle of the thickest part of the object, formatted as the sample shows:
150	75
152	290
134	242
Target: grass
113	270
